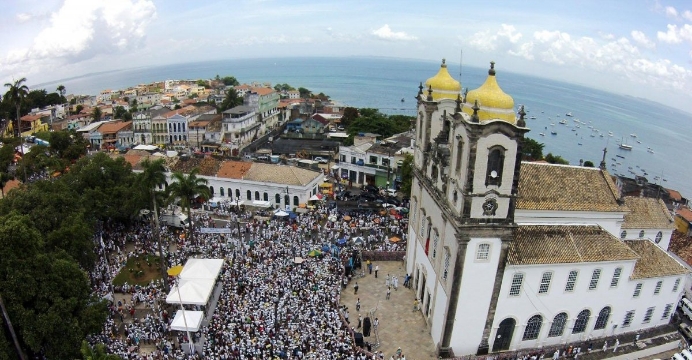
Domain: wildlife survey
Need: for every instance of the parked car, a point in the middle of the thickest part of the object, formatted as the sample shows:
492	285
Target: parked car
392	200
367	196
321	160
371	188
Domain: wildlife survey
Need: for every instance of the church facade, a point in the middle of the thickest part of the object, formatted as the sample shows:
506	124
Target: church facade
508	255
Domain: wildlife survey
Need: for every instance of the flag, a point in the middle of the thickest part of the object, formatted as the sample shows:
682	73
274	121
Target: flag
427	246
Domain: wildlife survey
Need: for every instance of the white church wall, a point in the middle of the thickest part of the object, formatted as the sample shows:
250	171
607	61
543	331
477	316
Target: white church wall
610	222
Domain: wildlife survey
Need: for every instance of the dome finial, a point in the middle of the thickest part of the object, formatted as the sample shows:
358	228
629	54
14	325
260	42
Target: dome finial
474	117
457	109
491	72
444	65
420	89
430	97
522	114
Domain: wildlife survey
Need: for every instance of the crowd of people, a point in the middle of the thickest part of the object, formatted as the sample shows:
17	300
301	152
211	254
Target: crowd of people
279	286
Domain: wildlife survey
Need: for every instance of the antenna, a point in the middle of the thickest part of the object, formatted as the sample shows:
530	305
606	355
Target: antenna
461	60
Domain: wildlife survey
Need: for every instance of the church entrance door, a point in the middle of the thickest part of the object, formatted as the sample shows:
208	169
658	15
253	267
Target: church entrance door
503	338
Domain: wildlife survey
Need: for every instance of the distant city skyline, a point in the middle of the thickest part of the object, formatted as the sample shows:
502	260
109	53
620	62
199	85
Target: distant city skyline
641	48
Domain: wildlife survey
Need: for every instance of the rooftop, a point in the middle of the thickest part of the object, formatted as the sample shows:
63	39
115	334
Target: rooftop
564	244
566	188
113	127
684	213
233	169
653	261
647	213
280	174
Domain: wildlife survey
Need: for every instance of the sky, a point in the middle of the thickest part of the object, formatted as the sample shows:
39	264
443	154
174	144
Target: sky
640	48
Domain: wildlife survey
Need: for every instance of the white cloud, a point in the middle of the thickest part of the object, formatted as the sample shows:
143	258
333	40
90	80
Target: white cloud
606	36
687	15
489	41
670	11
641	39
675	34
23	17
80	30
387	34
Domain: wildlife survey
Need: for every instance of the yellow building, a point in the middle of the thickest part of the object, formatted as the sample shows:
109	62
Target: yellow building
31	124
683	219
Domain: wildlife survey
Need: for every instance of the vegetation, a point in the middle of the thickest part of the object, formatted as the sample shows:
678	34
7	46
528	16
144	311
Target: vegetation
186	189
139	271
229	81
588	163
304	93
407	174
232	100
96	114
532	150
373	121
15	96
283	87
555	159
153	176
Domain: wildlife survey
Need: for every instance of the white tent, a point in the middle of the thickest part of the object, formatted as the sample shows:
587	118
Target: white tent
146	147
314	198
192	318
280	213
191	291
201	269
261	204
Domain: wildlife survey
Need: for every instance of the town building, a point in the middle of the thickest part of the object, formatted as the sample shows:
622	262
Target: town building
239	125
205	132
509	255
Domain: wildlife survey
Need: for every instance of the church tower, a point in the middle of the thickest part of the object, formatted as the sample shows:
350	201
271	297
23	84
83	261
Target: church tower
466	168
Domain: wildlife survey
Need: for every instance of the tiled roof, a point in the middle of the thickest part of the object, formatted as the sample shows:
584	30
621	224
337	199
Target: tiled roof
566	188
133	159
647	213
653	261
280	174
564	244
674	194
684	213
233	169
262	90
114	127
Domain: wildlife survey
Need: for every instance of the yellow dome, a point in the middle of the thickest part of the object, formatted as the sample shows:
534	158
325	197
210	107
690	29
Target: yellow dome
492	101
443	85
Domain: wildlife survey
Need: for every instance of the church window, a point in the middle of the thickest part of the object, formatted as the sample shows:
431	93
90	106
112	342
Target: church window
448	257
483	252
602	319
265	196
571	280
221	191
422	228
237	193
436	240
545	282
249	195
295	201
623	234
558	326
666	311
515	288
677	283
659	236
659	284
637	290
629	316
257	195
496	159
277	198
641	234
460	150
594	279
616	277
581	322
649	313
533	328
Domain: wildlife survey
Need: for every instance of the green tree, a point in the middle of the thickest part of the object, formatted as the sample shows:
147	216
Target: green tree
531	150
16	94
186	188
556	159
133	106
119	112
232	100
96	114
588	163
204	83
230	81
304	93
61	90
79	108
153	176
96	352
407	175
350	115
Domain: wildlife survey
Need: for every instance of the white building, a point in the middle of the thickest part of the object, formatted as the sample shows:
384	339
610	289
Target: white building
508	255
239	125
177	129
141	126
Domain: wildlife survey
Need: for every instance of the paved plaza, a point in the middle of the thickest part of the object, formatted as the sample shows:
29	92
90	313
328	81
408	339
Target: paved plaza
399	325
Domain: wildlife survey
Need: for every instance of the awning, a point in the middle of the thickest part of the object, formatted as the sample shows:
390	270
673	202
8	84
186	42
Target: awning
262	204
193	319
194	292
202	269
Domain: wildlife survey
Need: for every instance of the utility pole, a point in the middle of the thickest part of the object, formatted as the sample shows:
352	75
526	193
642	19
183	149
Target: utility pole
11	328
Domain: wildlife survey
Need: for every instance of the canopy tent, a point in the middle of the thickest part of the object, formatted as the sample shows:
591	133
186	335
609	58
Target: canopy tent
261	204
208	269
192	318
280	213
191	291
146	147
315	197
215	201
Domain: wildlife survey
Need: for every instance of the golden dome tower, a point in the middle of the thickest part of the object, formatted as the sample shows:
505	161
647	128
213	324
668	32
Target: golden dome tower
493	103
443	85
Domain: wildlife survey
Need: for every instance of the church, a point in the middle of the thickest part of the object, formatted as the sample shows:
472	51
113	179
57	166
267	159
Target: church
508	255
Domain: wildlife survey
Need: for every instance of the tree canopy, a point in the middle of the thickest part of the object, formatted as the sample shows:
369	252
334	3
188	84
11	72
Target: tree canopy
230	81
532	150
373	121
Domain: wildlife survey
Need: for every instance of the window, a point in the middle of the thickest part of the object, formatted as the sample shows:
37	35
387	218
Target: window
648	315
641	234
533	328
515	288
628	318
545	282
295	201
266	197
666	311
422	227
594	279
436	239
277	199
616	277
659	284
448	257
496	159
637	290
249	195
257	195
659	236
558	326
581	322
373	159
221	191
623	234
211	190
483	252
571	280
602	319
677	284
237	193
460	150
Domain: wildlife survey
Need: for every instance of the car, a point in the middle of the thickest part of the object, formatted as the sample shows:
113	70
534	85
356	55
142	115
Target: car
371	188
392	200
686	331
321	160
388	205
367	196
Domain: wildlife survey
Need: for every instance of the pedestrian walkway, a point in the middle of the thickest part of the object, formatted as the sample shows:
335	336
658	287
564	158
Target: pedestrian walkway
399	325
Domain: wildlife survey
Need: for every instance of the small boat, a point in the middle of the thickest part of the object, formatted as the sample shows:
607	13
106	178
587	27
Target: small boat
633	135
553	133
601	135
552	124
665	179
563	121
639	142
620	156
569	114
402	99
533	118
592	135
650	151
614	159
579	144
541	134
624	146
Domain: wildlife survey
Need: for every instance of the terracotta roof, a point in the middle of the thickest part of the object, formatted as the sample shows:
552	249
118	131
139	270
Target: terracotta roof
280	174
653	261
233	169
113	127
564	244
201	123
133	159
566	188
675	195
647	213
30	118
262	90
684	213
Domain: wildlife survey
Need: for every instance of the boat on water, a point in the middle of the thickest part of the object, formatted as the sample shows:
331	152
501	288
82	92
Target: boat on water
592	135
541	134
568	114
563	121
402	99
579	144
633	135
553	133
620	156
552	124
624	146
650	151
601	135
533	118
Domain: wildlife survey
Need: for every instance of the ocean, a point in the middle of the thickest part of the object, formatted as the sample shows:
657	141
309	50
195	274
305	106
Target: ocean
382	83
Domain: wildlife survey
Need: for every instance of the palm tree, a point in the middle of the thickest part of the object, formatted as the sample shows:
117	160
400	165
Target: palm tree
97	352
187	188
16	94
154	175
61	90
96	114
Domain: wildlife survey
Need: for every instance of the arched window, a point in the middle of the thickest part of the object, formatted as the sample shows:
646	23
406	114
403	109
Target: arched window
436	240
659	236
623	234
295	201
237	193
277	199
602	319
496	161
460	150
221	191
249	195
483	252
558	326
287	200
266	197
641	234
581	322
211	190
533	328
257	195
